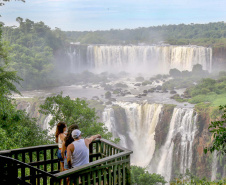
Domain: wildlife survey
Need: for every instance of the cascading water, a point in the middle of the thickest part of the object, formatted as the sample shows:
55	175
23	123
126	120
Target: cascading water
47	126
214	166
141	122
183	123
28	108
76	59
109	120
145	58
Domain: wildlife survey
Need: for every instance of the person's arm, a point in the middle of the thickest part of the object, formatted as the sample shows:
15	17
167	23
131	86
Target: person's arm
63	149
62	136
92	138
70	150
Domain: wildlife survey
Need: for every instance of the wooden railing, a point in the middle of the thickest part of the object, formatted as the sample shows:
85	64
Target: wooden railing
109	164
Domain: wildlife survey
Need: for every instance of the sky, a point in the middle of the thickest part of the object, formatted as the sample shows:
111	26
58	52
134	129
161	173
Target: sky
91	15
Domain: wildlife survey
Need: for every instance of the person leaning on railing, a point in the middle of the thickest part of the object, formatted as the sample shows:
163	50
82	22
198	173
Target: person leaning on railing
78	150
60	135
67	141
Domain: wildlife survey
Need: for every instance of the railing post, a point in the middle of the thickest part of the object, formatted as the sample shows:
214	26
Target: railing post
128	172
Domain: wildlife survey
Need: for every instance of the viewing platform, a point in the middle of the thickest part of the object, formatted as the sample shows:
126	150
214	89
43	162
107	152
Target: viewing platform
38	165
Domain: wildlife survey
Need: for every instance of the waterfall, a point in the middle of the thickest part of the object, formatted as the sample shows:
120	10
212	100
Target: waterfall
46	125
145	58
214	166
183	122
141	121
76	59
28	108
110	123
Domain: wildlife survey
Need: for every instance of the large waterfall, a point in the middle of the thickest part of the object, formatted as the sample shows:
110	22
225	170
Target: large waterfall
183	123
141	121
151	59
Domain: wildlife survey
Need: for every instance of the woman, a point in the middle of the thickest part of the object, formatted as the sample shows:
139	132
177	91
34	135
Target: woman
67	141
60	135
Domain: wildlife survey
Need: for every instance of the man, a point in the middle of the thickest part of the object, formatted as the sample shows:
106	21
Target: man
78	150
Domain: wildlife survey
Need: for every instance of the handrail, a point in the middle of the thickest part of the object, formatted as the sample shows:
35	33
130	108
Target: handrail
108	162
114	145
92	164
27	149
54	145
27	165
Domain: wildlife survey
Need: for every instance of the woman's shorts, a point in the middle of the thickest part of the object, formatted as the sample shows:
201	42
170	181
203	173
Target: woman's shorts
59	155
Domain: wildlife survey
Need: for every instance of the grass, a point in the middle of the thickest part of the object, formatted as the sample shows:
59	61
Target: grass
212	98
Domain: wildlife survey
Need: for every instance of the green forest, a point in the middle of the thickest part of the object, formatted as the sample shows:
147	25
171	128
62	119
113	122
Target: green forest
211	34
32	51
35	50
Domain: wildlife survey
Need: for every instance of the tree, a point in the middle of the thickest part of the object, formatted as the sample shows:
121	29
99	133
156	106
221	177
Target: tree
218	130
139	79
2	3
175	73
189	178
17	129
108	95
185	74
140	176
74	111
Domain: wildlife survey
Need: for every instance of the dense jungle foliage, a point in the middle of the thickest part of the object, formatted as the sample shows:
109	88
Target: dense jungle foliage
33	47
212	34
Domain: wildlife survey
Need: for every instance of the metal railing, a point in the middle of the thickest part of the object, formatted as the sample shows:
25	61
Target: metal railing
109	164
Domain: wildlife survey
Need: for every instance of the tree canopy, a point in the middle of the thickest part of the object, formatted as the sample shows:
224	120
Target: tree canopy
33	48
218	130
74	111
140	176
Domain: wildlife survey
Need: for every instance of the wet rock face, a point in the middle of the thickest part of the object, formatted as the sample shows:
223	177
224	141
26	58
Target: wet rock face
162	127
219	58
201	164
32	107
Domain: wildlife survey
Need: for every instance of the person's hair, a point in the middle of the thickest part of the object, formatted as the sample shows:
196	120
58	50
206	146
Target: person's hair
68	139
60	129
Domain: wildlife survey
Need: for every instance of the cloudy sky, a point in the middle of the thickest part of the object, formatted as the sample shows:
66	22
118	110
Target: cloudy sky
81	15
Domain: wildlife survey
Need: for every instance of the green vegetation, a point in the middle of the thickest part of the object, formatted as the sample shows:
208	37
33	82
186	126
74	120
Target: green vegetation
121	85
140	176
201	87
74	111
33	46
208	90
38	53
212	34
139	79
17	129
189	178
218	130
108	95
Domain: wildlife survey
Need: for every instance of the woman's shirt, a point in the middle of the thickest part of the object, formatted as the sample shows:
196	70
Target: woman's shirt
59	142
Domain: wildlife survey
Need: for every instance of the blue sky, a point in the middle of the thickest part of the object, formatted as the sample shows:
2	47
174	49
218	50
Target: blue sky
81	15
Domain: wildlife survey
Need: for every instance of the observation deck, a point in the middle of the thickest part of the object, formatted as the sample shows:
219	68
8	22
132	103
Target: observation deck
38	165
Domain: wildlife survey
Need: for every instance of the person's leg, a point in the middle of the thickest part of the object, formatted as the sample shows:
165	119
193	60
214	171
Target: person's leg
61	160
61	166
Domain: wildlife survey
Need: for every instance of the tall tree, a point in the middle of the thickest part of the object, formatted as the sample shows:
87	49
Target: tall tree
218	130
